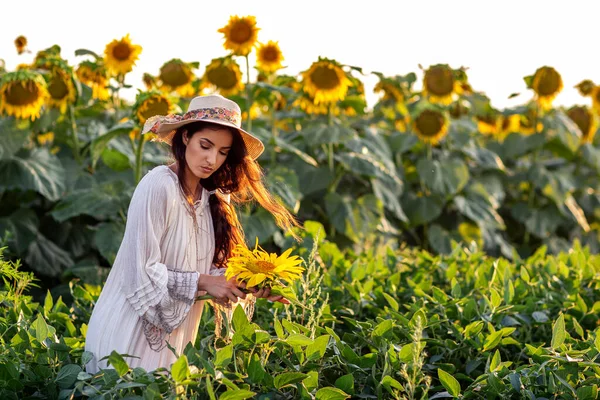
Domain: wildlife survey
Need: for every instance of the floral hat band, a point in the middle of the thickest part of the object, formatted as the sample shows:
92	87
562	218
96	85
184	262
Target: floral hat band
215	109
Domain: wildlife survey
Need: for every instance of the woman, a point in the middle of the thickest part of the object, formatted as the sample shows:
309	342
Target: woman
180	231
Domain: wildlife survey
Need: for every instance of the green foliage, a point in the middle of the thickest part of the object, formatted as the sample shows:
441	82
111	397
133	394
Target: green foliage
390	324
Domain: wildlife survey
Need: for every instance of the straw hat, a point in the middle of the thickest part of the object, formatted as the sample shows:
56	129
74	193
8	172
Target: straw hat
215	109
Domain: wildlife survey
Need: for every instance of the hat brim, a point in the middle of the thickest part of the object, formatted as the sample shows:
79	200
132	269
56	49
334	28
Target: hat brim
254	145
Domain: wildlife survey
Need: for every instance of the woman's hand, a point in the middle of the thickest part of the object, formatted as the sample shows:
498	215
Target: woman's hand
264	293
224	291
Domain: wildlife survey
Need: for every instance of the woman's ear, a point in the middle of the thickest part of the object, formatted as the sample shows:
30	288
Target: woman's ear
185	137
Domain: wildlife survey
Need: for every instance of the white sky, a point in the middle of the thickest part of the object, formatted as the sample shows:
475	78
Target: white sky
500	41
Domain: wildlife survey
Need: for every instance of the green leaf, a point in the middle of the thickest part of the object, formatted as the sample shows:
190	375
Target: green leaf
259	224
449	382
312	180
492	340
495	363
224	356
41	329
48	303
115	160
278	328
108	239
587	392
591	155
256	372
297	339
479	210
118	363
288	378
559	333
294	150
331	393
180	369
439	238
345	383
85	52
324	134
67	376
390	384
96	203
390	197
14	135
240	320
391	301
36	170
98	145
422	210
283	183
238	394
382	329
316	350
444	178
46	257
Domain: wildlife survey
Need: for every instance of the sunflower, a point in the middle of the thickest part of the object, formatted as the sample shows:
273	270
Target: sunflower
177	75
45	138
307	104
257	266
526	124
269	57
585	87
95	76
439	84
240	34
22	94
60	86
596	99
430	126
509	124
149	81
547	84
488	124
389	90
586	122
149	104
120	55
224	75
325	81
470	232
21	44
458	109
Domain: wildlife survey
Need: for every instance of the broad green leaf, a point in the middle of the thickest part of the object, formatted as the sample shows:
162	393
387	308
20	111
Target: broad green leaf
345	383
238	394
587	392
48	303
422	210
391	384
391	301
288	378
324	134
283	183
311	179
316	350
439	239
108	239
14	135
449	382
492	340
479	210
41	328
98	145
444	178
67	375
46	257
294	150
115	160
331	393
591	155
180	369
35	170
390	197
224	356
118	363
496	360
256	372
96	203
382	328
559	333
240	320
297	339
259	224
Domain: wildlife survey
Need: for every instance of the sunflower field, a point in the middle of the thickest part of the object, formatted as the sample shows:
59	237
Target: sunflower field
459	259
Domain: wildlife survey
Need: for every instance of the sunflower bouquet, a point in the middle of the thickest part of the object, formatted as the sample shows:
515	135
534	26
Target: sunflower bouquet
258	269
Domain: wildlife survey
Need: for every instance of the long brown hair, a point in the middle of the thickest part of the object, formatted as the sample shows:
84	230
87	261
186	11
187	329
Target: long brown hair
241	177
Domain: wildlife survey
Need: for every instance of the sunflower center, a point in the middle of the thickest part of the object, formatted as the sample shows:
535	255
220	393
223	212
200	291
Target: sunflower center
325	78
174	75
222	77
581	117
122	51
58	88
429	123
439	81
22	93
260	267
270	54
549	82
241	32
152	107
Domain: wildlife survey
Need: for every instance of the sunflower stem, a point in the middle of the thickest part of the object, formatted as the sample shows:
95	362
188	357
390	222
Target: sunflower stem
330	145
74	135
534	157
429	151
248	93
274	134
138	159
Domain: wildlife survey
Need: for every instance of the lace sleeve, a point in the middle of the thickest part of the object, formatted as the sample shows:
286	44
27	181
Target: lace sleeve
161	296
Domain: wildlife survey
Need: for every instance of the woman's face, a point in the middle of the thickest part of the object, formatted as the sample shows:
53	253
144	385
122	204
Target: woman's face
207	150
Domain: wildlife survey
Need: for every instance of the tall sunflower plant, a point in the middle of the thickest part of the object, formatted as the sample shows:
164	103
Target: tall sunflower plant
259	269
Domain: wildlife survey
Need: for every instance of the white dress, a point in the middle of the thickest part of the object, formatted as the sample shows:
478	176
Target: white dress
148	298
